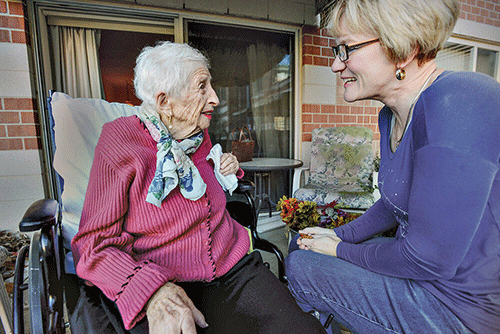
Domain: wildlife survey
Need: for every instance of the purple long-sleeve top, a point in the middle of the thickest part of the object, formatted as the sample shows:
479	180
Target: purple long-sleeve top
442	188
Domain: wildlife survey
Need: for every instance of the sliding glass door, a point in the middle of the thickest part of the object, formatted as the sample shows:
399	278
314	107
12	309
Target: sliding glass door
252	75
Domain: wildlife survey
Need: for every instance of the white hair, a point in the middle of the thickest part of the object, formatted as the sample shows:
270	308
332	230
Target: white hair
165	67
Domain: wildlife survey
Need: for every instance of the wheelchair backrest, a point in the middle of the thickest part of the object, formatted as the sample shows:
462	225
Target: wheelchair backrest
77	127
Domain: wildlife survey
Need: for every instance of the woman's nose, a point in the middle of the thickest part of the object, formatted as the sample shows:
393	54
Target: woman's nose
213	99
337	65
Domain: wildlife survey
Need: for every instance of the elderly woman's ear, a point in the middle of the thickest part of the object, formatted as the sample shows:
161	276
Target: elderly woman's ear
161	102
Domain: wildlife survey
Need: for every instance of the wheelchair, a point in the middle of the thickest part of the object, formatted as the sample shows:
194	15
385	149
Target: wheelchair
52	283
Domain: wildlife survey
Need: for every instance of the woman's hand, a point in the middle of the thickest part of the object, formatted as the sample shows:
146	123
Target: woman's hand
319	240
229	164
170	311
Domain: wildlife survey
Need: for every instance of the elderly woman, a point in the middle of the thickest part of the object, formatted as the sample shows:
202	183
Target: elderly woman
439	183
155	236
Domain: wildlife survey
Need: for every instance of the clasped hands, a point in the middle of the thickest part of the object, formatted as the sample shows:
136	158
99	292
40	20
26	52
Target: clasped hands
321	240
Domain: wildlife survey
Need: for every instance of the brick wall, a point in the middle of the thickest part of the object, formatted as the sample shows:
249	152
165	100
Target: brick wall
481	11
18	121
316	51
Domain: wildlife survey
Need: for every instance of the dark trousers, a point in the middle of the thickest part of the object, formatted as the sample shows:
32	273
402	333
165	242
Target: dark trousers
248	299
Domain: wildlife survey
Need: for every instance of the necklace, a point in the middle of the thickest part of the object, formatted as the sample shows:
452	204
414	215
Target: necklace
412	106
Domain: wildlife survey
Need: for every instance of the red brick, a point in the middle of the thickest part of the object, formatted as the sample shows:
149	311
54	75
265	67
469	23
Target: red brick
490	6
307	60
311	50
342	109
308	127
306	137
306	118
479	19
334	119
15	8
357	110
29	117
320	118
307	39
476	10
3	7
9	117
307	29
349	119
326	52
311	108
320	61
376	136
481	3
3	131
18	104
5	36
11	144
31	144
21	130
327	109
471	17
321	41
471	2
466	8
12	22
18	37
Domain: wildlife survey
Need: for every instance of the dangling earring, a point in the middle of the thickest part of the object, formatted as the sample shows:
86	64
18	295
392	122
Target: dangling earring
169	119
400	74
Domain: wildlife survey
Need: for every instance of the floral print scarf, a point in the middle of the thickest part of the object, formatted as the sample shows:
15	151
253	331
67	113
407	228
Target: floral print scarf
173	166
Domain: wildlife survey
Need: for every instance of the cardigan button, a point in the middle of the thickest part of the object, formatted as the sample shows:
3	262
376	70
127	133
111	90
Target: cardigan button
205	242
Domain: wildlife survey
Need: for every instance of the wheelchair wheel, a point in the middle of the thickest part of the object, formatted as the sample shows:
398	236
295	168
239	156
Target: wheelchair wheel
45	289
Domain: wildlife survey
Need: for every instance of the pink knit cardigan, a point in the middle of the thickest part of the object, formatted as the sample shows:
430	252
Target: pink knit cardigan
129	248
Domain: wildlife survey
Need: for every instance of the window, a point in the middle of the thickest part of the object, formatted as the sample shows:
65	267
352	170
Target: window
253	78
459	56
252	72
253	65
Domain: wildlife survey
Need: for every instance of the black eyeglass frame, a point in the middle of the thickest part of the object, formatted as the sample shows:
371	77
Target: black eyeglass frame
341	49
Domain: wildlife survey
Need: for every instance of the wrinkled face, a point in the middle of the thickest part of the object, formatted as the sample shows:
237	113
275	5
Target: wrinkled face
368	72
191	112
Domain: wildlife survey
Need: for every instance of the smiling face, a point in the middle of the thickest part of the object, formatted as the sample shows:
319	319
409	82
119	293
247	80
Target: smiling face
368	73
191	112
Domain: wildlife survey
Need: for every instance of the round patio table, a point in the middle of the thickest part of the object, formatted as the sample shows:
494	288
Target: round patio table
261	169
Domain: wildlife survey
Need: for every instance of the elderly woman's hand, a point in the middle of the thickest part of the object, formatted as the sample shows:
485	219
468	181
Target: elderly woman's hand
170	311
229	164
319	240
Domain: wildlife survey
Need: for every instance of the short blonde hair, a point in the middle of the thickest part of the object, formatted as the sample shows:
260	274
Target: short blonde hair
401	25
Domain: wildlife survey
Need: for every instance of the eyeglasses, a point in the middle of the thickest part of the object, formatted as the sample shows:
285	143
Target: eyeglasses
342	50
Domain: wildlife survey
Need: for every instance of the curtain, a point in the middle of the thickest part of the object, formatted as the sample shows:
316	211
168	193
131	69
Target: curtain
76	61
270	98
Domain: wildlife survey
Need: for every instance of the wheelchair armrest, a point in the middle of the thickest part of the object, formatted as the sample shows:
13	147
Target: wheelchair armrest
40	214
245	186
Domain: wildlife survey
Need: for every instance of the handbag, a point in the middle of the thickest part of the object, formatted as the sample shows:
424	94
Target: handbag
242	147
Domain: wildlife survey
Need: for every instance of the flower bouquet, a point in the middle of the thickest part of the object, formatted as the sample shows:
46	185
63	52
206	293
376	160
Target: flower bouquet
298	215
